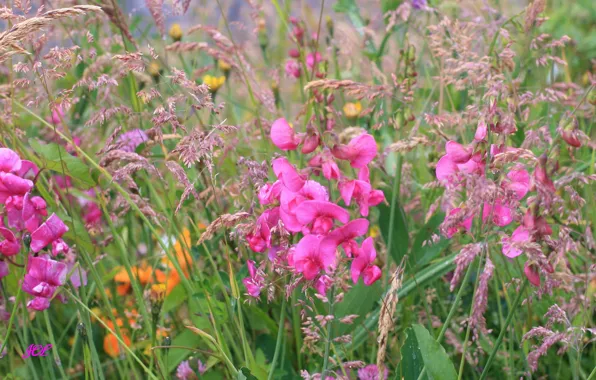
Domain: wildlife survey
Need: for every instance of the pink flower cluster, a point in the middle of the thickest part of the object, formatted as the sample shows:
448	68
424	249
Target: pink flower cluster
461	162
24	225
293	68
301	205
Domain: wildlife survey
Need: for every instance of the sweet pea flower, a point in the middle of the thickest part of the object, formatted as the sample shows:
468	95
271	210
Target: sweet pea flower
466	224
130	141
500	214
10	182
481	131
289	201
255	282
288	174
283	135
371	372
458	153
532	274
536	224
52	229
322	284
312	59
25	212
458	159
360	190
327	163
270	192
9	246
261	238
518	182
344	236
293	69
321	214
309	259
42	279
362	265
360	150
310	143
520	235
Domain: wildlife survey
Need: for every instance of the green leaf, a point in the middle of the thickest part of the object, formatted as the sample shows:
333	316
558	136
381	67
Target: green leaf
176	355
400	234
389	5
55	158
245	374
411	358
359	300
437	362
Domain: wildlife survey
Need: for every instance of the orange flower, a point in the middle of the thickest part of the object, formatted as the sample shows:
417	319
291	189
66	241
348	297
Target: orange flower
111	346
144	273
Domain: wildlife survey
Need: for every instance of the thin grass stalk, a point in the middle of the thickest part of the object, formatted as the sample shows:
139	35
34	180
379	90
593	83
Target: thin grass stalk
280	331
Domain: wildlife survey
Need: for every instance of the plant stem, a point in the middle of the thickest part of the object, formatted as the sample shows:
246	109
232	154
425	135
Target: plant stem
329	331
469	328
503	330
394	197
280	330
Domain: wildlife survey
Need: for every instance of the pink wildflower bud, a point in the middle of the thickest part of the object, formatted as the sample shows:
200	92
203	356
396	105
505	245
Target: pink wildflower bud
532	274
481	131
362	265
310	143
294	53
313	59
293	69
283	135
542	177
253	283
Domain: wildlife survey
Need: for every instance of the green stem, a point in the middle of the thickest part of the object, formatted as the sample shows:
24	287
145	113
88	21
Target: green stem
493	353
329	332
280	331
394	197
469	328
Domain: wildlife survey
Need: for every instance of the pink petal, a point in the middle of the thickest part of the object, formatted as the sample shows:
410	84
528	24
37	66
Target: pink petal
28	170
11	184
520	234
520	182
371	275
311	142
346	190
458	153
481	131
269	193
283	135
9	160
351	230
3	269
310	210
10	246
446	169
51	230
287	173
532	274
358	265
360	151
39	304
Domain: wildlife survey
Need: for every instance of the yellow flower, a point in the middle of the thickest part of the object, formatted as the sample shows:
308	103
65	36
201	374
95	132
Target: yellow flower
157	293
352	110
154	69
213	82
374	231
224	65
176	32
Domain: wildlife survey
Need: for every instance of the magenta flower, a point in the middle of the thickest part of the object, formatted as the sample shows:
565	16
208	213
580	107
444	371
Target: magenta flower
130	141
283	135
362	265
360	151
532	274
343	236
458	153
270	192
481	131
458	159
327	163
261	238
309	259
310	143
25	212
361	191
466	224
42	279
322	284
371	372
288	175
500	214
520	235
184	372
3	269
255	282
518	182
293	69
289	201
9	246
312	59
52	229
321	214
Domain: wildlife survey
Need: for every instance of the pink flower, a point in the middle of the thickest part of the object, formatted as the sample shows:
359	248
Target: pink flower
537	224
52	229
458	153
294	53
541	177
371	372
360	150
532	274
42	279
261	238
3	269
322	284
361	191
466	224
184	372
481	131
321	214
255	282
343	236
501	215
327	163
288	174
310	143
11	182
312	59
59	246
520	235
10	246
270	192
25	212
57	115
283	135
130	141
293	68
519	182
362	265
309	259
290	200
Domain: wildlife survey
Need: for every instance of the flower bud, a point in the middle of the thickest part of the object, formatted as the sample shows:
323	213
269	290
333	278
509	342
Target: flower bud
175	32
27	240
330	26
